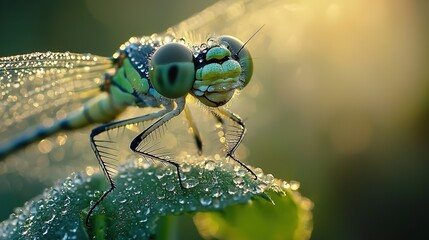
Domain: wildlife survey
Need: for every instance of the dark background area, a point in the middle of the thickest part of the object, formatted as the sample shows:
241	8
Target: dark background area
345	111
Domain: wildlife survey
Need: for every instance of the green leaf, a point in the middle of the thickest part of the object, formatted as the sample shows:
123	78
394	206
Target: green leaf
147	193
287	217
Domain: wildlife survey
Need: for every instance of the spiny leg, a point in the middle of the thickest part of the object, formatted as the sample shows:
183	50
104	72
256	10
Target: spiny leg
98	152
236	119
195	131
219	119
180	104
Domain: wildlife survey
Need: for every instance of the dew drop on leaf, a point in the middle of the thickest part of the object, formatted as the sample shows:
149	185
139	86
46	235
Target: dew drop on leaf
241	173
205	200
217	192
170	186
210	165
186	167
294	185
190	183
238	181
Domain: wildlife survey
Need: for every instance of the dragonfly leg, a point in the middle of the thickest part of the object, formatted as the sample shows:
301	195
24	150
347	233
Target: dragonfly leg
179	106
195	131
98	152
236	119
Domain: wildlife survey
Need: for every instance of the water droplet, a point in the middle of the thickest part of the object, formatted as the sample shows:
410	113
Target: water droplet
168	171
232	191
286	185
170	186
205	200
51	219
67	202
294	185
46	231
238	181
216	203
186	167
123	200
258	171
268	179
161	195
160	173
190	183
143	220
241	172
217	192
210	165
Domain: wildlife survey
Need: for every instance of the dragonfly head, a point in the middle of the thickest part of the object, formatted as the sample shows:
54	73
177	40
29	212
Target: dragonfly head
212	73
222	68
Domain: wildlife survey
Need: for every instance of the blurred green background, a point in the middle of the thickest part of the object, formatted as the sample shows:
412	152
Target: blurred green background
340	100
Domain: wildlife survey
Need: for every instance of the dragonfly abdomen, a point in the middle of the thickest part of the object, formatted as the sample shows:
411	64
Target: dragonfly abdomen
100	109
26	138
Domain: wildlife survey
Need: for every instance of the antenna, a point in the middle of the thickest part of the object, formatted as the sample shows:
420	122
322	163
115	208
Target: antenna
238	52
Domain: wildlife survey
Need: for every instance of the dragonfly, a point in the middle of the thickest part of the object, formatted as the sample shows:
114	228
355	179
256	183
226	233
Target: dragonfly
161	71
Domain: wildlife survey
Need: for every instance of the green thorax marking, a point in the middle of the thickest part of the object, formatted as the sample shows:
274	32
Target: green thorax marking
126	81
141	85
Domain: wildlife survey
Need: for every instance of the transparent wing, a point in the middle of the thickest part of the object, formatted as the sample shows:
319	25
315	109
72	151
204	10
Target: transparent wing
241	18
39	88
220	15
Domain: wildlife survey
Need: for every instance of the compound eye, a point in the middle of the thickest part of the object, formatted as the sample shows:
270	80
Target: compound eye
244	57
172	70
